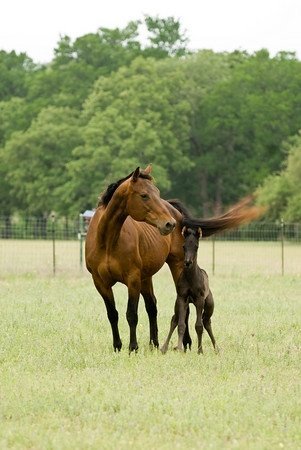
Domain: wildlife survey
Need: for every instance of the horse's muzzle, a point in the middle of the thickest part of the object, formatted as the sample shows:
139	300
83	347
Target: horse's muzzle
167	228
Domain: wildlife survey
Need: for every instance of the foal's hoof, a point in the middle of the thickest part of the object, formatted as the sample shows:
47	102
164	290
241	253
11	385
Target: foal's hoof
178	349
163	349
216	350
185	347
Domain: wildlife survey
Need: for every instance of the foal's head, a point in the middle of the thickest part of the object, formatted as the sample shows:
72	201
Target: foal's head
191	245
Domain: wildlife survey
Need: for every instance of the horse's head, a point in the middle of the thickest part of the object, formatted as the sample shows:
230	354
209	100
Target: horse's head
144	203
191	245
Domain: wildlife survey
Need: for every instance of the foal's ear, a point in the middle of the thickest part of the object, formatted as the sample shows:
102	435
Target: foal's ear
136	175
200	232
184	231
148	169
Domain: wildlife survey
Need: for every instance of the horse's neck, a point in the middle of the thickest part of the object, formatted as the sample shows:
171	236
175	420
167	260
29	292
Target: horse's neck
112	219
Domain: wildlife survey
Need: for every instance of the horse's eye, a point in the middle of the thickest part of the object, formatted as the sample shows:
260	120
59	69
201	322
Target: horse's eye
145	196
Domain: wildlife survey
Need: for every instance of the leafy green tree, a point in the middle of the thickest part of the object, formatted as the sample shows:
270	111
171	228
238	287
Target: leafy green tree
203	71
108	49
6	201
137	116
69	78
37	161
13	74
281	193
15	115
243	121
166	37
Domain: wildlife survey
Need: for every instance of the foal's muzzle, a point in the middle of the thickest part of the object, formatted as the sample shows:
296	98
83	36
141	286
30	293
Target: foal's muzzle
187	264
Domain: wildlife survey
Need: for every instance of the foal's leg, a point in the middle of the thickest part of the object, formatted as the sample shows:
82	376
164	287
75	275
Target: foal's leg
187	339
199	304
182	308
112	313
151	307
173	324
208	311
134	286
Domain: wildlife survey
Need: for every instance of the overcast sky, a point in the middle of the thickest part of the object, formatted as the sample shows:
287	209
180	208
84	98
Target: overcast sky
35	26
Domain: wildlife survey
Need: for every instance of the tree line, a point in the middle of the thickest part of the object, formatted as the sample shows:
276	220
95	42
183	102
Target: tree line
215	126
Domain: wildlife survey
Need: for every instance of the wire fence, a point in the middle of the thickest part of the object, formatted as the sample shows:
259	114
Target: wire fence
56	246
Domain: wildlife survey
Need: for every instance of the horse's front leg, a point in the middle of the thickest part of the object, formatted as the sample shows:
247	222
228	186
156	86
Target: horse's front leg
112	313
134	286
199	304
151	307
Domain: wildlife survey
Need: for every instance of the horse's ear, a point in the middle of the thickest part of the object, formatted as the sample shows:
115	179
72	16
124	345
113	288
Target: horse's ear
136	174
183	231
148	169
200	232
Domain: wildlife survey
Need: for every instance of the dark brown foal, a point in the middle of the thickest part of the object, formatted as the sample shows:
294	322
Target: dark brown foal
192	287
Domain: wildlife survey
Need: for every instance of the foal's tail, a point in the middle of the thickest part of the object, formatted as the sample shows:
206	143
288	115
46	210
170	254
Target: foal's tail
239	214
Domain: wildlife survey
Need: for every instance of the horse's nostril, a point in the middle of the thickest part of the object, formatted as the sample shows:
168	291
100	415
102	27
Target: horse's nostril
170	226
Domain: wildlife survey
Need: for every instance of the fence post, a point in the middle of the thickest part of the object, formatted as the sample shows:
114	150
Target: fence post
53	244
80	237
213	255
282	247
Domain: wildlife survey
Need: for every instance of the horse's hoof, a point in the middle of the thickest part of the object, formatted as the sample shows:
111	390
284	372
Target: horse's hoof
133	349
117	347
153	344
163	350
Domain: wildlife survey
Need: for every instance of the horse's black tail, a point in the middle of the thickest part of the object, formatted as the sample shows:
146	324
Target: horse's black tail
239	214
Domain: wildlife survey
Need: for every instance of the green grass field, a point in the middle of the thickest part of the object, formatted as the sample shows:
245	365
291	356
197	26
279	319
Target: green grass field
63	387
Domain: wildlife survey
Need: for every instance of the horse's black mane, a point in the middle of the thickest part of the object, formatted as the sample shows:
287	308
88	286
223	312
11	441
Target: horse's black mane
183	210
109	192
187	219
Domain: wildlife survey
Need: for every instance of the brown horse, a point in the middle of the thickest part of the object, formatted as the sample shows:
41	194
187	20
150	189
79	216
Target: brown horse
120	246
129	239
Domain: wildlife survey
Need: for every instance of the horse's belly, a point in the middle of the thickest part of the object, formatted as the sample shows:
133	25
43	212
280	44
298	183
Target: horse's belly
149	269
153	258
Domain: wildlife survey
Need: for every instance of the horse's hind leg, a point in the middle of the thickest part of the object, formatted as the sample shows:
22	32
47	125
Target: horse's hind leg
186	338
208	311
199	304
112	313
134	287
150	300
